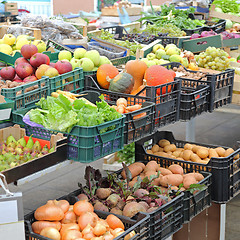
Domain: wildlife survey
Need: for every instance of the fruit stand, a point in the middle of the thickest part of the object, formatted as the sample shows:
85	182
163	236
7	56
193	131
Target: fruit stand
108	96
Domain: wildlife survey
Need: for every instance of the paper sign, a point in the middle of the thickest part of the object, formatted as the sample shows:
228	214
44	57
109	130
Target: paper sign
8	212
5	113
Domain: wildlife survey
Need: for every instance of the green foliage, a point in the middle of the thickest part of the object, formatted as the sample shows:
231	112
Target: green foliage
228	6
127	154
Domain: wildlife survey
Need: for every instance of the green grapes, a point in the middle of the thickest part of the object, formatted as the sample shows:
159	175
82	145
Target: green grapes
213	58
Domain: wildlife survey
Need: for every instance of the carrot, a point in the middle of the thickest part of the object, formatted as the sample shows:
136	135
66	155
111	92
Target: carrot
134	107
139	115
122	101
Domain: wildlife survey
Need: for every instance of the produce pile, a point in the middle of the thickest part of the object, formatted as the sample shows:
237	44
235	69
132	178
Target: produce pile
15	152
225	35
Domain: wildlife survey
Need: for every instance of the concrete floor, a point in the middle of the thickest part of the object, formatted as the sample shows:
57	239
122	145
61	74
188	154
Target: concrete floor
220	127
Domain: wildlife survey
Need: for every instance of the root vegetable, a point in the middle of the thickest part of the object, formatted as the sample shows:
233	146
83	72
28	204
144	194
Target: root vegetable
195	158
103	193
172	179
187	181
186	155
195	148
202	152
86	218
112	200
121	203
228	152
176	169
69	217
132	209
155	148
99	229
162	143
152	166
116	210
38	226
81	207
171	148
176	153
114	222
134	169
51	233
220	151
188	146
140	193
144	204
164	171
213	153
82	196
101	207
71	234
152	209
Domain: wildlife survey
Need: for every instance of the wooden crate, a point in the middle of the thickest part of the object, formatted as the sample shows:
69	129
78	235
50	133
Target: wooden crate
132	11
36	31
12	8
213	13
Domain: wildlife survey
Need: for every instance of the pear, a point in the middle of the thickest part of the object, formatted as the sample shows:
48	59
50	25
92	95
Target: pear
22	141
52	149
37	147
45	150
30	143
12	145
18	150
10	139
26	150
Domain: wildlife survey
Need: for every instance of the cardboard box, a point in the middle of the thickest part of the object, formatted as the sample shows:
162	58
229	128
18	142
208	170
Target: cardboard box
6	106
12	8
25	169
132	11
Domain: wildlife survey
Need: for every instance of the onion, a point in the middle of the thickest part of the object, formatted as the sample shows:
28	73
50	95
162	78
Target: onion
49	212
69	226
195	35
116	232
81	207
63	204
71	234
38	226
69	217
90	218
99	229
88	232
51	233
108	236
205	34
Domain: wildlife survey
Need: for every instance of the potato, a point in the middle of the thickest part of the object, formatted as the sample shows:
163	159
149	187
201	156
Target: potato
197	176
174	188
188	180
131	183
176	169
132	208
164	142
195	148
149	151
103	193
134	168
236	157
186	155
188	146
202	152
179	158
179	149
151	166
172	179
149	173
176	153
156	181
195	158
228	152
170	148
164	171
220	151
163	154
142	165
155	148
213	153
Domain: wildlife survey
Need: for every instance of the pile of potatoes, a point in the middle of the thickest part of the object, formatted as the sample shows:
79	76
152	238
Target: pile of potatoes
169	178
190	152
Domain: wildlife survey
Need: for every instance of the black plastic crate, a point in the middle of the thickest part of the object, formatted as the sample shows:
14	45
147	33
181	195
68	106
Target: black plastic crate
58	46
225	171
139	224
166	104
117	31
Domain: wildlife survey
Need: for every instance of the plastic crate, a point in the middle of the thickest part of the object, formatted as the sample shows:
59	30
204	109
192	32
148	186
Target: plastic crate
195	95
109	50
225	171
118	31
85	144
139	224
122	60
6	110
71	81
166	104
28	94
58	46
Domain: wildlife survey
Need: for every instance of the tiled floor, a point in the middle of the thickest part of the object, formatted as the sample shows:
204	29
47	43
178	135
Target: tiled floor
220	127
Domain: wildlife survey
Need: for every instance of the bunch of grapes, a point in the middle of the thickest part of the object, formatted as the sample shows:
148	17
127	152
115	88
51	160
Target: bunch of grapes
213	58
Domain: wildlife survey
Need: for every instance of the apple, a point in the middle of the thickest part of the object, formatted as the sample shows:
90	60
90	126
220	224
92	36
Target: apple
94	56
64	54
75	63
28	50
63	66
21	42
159	53
48	59
24	70
41	45
30	79
86	64
41	70
104	60
156	47
9	39
17	79
51	64
38	59
79	53
7	73
5	48
151	56
20	60
51	72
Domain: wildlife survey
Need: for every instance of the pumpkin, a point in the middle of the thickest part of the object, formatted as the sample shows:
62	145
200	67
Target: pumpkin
157	75
122	83
105	72
137	69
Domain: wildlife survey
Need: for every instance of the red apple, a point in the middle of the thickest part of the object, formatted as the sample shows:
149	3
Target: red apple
51	64
48	59
63	66
20	60
29	79
7	73
24	70
38	59
28	50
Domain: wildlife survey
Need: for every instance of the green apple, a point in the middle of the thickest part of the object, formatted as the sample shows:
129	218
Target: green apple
51	72
176	58
162	61
21	42
156	47
75	63
156	61
159	53
185	62
151	63
94	56
173	51
151	56
144	60
64	54
86	64
41	45
5	48
9	39
79	53
95	69
170	46
104	60
232	59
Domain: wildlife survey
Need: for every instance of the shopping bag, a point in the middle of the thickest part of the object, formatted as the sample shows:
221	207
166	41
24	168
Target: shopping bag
11	213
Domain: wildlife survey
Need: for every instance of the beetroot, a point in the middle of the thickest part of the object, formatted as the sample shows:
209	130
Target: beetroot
195	35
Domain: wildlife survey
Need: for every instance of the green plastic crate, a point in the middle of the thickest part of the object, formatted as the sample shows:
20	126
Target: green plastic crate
5	110
90	73
28	94
85	144
122	60
71	81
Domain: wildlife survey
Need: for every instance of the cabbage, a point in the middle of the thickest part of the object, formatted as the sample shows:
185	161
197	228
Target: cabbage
229	24
217	9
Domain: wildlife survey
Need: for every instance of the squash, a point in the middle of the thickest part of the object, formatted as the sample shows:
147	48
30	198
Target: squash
139	89
122	83
105	72
157	75
137	69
